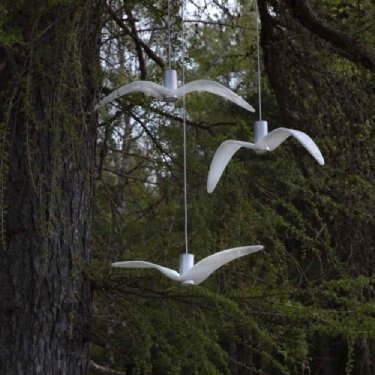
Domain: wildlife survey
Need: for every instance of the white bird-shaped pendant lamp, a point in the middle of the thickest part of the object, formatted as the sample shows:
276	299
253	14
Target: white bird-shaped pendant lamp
170	93
264	142
191	274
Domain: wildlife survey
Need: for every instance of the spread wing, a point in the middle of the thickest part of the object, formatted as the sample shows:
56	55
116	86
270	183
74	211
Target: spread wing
220	160
207	266
214	88
147	87
274	138
172	274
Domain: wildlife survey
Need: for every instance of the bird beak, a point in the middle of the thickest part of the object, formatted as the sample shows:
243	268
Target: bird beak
187	283
261	150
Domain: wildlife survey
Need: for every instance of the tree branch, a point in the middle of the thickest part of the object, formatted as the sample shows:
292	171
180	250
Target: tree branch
200	125
150	53
349	46
156	143
133	27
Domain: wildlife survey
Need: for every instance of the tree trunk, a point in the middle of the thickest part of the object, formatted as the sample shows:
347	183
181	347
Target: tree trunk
47	89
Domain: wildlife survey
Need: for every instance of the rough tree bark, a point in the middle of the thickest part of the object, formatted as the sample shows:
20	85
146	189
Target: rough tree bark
48	84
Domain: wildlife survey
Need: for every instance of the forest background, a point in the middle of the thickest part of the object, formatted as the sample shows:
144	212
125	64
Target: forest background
303	305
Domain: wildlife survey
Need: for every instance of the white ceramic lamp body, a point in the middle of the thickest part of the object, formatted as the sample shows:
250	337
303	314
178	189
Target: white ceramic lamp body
191	274
264	142
170	83
186	264
260	130
169	92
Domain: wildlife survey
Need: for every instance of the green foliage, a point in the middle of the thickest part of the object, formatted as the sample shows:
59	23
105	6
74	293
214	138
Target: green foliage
310	293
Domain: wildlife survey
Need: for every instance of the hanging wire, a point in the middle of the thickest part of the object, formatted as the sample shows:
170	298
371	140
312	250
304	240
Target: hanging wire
169	36
184	125
258	61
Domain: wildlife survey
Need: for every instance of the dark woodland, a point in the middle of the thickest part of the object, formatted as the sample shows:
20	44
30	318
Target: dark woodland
80	189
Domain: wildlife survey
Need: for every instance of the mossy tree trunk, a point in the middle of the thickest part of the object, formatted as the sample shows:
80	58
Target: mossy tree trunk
48	80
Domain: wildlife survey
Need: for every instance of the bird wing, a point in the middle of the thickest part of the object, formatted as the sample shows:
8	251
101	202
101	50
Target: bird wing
214	88
274	138
147	87
207	266
220	160
172	274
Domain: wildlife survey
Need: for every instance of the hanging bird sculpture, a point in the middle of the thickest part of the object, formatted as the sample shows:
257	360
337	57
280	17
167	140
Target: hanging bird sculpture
170	93
264	142
191	274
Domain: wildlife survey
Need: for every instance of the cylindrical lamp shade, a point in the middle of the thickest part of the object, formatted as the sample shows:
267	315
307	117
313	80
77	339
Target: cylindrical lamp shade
186	262
170	82
260	130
